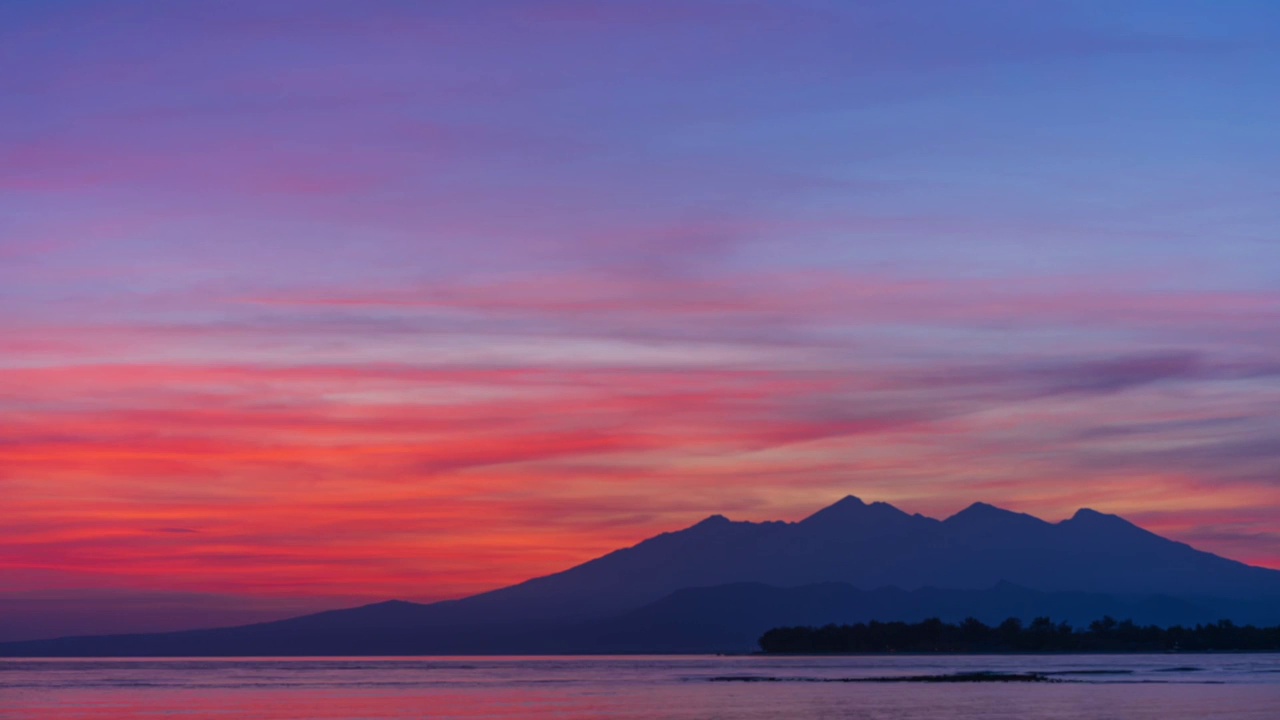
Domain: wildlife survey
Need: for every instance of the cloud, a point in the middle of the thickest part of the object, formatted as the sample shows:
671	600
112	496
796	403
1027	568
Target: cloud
270	460
432	302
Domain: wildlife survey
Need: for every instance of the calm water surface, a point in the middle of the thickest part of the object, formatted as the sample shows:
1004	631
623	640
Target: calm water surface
1167	687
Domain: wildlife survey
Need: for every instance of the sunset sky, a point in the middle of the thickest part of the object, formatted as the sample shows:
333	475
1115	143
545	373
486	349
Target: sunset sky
304	304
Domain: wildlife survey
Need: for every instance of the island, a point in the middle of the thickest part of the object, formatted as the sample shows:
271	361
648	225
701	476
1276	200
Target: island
1013	636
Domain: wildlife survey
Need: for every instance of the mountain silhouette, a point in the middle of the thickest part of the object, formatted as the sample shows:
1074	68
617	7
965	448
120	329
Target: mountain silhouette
877	545
720	583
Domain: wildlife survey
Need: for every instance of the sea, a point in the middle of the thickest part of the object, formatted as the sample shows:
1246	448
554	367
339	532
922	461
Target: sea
1013	687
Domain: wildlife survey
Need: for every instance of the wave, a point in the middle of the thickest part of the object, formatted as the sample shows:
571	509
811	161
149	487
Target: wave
962	677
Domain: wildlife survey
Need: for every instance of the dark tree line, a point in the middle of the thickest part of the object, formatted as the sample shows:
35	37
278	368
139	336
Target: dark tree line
1041	635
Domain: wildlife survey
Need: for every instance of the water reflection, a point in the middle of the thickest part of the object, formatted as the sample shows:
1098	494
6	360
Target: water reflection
1125	687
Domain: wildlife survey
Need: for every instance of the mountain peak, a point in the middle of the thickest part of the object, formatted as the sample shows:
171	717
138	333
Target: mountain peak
713	521
985	520
1092	518
851	509
981	510
846	507
1089	515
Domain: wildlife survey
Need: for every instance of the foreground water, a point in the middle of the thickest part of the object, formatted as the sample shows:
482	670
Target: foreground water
1123	687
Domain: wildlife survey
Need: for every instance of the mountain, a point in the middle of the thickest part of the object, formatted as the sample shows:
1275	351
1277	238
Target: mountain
848	562
876	545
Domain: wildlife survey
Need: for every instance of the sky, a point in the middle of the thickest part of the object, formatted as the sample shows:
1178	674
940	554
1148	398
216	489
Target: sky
305	304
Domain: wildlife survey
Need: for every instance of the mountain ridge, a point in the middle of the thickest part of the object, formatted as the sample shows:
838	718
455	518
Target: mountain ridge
864	547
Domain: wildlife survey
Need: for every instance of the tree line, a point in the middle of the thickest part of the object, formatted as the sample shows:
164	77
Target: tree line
1041	635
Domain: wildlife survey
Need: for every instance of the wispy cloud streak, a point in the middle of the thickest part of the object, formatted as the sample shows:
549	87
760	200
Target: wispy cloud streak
327	300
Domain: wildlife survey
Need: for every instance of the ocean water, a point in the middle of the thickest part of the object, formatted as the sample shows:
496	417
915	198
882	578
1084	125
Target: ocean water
1098	687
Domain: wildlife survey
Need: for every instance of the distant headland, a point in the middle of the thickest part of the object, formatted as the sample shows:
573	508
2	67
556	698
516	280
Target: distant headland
1041	635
